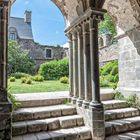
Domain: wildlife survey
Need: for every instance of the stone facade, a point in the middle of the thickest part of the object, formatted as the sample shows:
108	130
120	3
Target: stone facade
38	52
20	29
129	62
107	51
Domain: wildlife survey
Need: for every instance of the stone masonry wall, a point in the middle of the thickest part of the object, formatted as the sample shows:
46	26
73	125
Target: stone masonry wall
108	53
38	52
129	63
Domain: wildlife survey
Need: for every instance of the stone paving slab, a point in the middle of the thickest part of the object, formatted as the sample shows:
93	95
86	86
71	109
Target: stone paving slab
134	135
114	104
51	95
43	112
122	125
121	113
24	127
77	133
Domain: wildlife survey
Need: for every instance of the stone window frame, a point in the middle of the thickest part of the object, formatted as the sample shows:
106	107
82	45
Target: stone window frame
51	53
12	31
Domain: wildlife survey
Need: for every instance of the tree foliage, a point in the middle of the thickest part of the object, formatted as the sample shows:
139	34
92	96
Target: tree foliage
19	60
107	26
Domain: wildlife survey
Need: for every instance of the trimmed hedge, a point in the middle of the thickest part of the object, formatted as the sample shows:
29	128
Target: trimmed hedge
54	70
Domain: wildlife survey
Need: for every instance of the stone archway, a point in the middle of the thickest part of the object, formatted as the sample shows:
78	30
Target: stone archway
126	15
82	19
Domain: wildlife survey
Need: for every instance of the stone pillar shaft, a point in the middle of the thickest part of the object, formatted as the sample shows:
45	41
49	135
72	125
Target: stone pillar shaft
70	65
5	106
97	110
80	66
75	67
94	61
87	65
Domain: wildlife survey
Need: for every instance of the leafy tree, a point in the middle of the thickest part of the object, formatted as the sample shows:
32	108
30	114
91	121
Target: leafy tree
107	26
19	60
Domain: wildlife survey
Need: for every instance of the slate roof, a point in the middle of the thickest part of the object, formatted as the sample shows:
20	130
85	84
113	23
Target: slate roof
24	30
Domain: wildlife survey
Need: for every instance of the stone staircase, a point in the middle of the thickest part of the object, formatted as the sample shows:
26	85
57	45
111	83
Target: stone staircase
50	117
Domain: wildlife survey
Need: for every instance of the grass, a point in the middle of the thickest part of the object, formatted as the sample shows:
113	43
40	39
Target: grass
46	86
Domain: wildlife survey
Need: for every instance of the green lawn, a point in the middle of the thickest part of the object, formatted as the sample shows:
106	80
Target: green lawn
46	86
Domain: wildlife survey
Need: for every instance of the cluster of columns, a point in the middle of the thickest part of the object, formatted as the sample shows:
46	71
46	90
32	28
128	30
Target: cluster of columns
84	70
84	62
5	105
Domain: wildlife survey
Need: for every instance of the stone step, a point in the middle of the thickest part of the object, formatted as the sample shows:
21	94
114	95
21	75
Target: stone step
123	125
133	135
77	133
25	127
34	113
107	94
42	99
114	104
53	98
121	113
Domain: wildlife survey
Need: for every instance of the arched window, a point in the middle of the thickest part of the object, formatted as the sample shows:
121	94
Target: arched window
12	34
101	42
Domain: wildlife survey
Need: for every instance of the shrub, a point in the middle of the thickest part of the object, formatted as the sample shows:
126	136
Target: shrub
109	75
15	103
19	59
118	96
64	80
23	80
104	83
38	78
114	70
54	70
12	79
116	78
19	75
28	81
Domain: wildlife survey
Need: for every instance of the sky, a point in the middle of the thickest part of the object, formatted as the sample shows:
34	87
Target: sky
47	21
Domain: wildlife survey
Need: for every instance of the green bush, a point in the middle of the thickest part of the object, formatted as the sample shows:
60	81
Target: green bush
15	103
54	70
12	79
28	81
116	78
38	78
23	80
109	75
19	59
64	80
114	70
104	83
19	75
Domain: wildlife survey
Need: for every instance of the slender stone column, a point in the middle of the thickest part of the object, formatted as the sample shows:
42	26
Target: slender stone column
5	106
80	66
97	111
75	67
70	64
87	65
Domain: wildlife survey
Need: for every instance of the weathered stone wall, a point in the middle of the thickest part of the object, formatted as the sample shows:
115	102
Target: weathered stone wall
129	62
38	52
108	53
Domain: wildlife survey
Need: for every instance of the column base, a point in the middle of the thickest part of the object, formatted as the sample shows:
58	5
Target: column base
5	121
74	100
79	102
97	120
85	104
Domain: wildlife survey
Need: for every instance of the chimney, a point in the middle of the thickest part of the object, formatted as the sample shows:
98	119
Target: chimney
28	16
